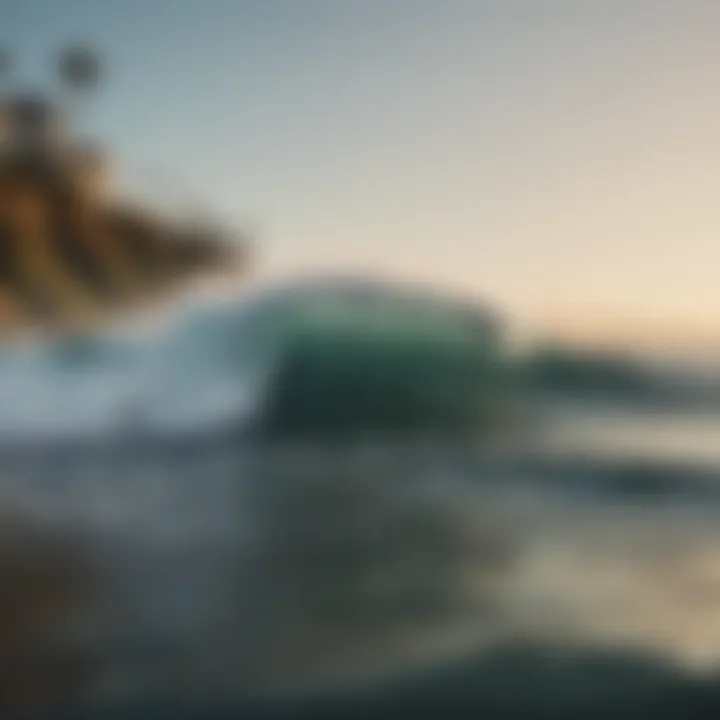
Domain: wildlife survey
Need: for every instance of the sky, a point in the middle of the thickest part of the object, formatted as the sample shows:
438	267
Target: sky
559	159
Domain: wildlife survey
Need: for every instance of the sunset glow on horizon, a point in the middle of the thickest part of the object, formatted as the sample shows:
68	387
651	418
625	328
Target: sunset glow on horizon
561	160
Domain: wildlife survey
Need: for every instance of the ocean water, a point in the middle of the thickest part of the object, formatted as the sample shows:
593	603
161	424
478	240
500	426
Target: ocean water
220	572
614	431
216	571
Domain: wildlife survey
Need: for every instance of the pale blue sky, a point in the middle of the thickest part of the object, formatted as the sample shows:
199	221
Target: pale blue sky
559	156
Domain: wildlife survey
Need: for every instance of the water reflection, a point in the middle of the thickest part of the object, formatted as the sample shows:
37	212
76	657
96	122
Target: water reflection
613	432
271	573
